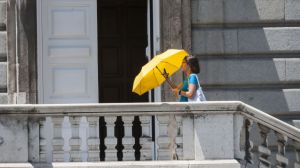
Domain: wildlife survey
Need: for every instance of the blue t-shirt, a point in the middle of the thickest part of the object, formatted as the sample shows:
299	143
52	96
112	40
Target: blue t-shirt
193	80
185	87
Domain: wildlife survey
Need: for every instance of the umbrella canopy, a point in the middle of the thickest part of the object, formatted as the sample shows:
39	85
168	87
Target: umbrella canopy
156	71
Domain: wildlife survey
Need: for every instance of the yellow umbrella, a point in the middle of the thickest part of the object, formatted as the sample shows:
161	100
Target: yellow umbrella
156	71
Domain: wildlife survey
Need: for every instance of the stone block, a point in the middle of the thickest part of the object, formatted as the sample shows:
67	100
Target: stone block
292	12
267	100
293	70
250	11
207	11
3	75
243	71
3	16
211	140
13	139
237	11
246	40
214	41
269	40
3	98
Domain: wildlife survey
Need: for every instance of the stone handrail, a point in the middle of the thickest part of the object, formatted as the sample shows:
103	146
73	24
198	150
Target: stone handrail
175	137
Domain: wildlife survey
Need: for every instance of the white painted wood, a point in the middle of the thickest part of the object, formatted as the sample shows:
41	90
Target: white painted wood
156	40
67	51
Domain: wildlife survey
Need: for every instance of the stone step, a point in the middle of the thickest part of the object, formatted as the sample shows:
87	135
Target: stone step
15	165
146	164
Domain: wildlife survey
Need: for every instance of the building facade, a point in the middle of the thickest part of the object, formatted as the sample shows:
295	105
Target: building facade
76	51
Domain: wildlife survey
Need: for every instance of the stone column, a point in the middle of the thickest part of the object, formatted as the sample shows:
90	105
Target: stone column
179	137
281	159
75	141
297	151
43	141
57	141
110	140
146	140
93	141
263	149
128	140
163	150
176	33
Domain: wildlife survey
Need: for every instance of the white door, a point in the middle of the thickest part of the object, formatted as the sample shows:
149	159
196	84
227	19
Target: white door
68	67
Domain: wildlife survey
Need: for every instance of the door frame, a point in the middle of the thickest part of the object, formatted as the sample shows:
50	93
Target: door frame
156	45
40	87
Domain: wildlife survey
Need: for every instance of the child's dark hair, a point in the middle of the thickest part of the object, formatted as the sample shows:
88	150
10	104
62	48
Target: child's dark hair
193	63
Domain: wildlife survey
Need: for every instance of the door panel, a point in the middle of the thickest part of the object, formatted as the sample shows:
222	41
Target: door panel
123	40
69	52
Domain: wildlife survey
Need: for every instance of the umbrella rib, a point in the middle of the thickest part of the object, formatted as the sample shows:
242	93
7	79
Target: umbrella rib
169	63
155	77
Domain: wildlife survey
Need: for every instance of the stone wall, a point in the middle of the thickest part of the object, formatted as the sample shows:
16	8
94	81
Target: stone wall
249	50
3	54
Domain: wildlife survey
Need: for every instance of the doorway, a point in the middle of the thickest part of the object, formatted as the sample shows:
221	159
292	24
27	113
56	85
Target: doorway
122	41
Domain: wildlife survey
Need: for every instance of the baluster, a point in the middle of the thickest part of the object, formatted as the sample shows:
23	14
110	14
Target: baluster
128	140
75	140
163	139
297	152
248	142
263	149
282	161
146	140
43	142
110	140
58	141
93	141
172	133
179	137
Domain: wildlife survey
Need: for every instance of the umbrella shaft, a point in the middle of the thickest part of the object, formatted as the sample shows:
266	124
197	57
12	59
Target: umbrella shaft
170	83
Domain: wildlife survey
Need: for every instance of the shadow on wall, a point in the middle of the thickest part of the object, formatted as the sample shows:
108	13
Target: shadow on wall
243	57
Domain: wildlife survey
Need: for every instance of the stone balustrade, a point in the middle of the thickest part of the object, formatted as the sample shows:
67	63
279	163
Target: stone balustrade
42	134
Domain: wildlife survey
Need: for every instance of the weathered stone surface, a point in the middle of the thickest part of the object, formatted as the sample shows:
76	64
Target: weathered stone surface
246	40
15	165
293	70
269	40
267	100
3	44
3	75
153	164
249	71
3	98
237	11
214	41
207	11
292	12
212	141
246	11
13	139
3	17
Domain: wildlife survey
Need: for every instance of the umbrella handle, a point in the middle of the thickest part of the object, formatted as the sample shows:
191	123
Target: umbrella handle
166	76
171	84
